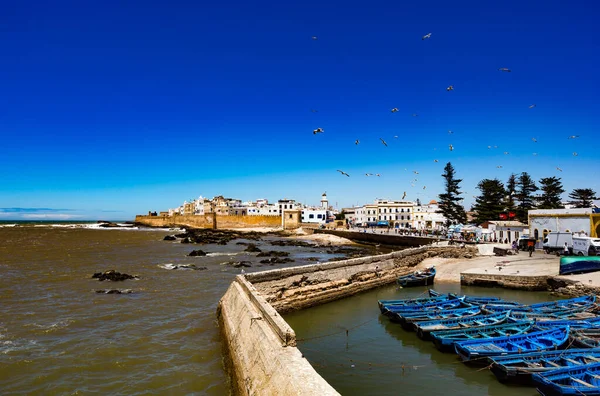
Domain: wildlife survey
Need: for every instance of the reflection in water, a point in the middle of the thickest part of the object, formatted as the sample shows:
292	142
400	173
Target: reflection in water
359	351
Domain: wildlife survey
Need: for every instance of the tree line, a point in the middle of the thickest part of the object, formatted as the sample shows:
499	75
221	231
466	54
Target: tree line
514	198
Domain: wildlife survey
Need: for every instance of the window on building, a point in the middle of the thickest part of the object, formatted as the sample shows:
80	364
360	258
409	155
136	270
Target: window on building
290	215
311	216
319	216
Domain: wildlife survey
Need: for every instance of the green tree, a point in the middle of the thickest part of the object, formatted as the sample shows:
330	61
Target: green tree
511	192
551	188
583	197
525	189
449	201
341	215
489	204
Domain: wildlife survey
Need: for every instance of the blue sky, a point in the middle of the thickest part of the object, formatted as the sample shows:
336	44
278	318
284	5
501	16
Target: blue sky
109	109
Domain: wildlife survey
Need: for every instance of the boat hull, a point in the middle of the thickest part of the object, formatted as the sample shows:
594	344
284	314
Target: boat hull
579	264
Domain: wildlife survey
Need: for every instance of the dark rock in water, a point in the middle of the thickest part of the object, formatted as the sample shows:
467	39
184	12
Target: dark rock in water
277	260
198	252
252	248
107	224
222	242
291	242
112	275
242	264
115	291
186	240
169	238
312	259
272	253
220	237
184	235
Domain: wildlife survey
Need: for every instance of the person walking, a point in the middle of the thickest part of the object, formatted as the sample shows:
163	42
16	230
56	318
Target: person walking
530	247
566	250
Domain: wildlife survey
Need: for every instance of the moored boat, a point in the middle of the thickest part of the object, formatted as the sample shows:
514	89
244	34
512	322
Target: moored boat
475	351
410	301
519	368
579	380
444	340
585	338
408	319
430	306
579	264
418	278
424	329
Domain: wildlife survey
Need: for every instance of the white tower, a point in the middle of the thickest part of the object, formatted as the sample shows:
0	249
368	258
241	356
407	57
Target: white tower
324	201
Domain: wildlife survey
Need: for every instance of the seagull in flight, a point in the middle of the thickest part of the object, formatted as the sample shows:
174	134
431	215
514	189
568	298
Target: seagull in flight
318	130
314	111
574	154
415	172
450	132
427	36
573	136
489	147
395	136
377	174
368	174
394	110
499	166
415	115
404	195
534	140
314	37
356	141
424	187
532	106
506	153
343	173
450	88
534	153
383	141
451	147
435	161
558	169
505	69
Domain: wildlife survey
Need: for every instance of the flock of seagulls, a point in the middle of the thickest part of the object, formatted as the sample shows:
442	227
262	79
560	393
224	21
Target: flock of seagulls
450	146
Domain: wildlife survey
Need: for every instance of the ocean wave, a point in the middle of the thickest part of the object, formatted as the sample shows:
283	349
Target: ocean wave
170	266
215	254
8	225
48	328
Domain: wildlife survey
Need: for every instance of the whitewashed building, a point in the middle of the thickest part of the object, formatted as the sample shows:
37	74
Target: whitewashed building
577	220
505	231
425	217
314	215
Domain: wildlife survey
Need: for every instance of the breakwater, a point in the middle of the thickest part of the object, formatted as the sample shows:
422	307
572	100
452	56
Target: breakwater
384	239
261	346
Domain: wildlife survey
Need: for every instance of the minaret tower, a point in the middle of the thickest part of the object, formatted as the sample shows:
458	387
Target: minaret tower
324	201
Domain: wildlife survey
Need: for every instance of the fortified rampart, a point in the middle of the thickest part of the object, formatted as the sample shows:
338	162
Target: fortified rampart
206	221
261	346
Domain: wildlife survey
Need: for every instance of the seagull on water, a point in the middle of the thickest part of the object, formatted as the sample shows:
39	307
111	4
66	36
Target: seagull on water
427	36
356	141
394	110
450	88
383	141
318	130
504	69
343	173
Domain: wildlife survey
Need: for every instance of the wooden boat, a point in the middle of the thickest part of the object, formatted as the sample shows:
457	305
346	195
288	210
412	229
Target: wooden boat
475	351
579	264
424	329
585	337
519	368
584	323
570	314
444	340
578	380
407	319
418	278
435	305
383	304
584	302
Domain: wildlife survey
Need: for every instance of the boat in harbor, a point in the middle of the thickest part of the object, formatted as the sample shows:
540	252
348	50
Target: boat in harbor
408	319
424	328
383	304
585	337
584	323
575	381
431	306
520	368
551	307
579	264
418	278
444	340
475	351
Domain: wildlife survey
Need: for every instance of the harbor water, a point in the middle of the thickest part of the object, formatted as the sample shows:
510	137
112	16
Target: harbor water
60	333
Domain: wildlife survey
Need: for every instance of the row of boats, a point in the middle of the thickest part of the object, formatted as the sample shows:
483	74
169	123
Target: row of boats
553	345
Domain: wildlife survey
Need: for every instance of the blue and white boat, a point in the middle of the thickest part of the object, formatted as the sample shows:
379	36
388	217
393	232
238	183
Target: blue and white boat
435	305
424	329
475	351
444	340
407	319
575	381
383	304
519	368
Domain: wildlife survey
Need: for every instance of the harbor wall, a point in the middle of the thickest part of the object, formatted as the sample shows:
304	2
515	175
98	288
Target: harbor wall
384	239
206	221
532	283
261	353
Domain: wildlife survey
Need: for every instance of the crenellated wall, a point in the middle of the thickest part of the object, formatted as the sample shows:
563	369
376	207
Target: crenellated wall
206	221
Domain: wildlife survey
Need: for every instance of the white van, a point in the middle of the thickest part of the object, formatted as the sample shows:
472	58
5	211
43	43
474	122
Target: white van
555	242
586	246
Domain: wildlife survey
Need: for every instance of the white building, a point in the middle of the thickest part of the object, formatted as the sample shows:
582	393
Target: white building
425	217
288	204
314	215
577	220
505	231
397	214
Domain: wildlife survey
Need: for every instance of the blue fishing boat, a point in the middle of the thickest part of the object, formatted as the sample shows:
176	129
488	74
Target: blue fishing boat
475	351
576	381
408	319
585	323
519	368
411	301
444	340
418	278
424	329
436	305
578	264
570	314
583	303
585	337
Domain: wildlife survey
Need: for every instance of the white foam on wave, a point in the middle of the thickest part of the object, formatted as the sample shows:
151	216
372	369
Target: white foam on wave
170	266
215	254
48	328
7	225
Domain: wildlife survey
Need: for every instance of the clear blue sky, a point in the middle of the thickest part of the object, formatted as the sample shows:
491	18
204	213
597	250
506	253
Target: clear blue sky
110	108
